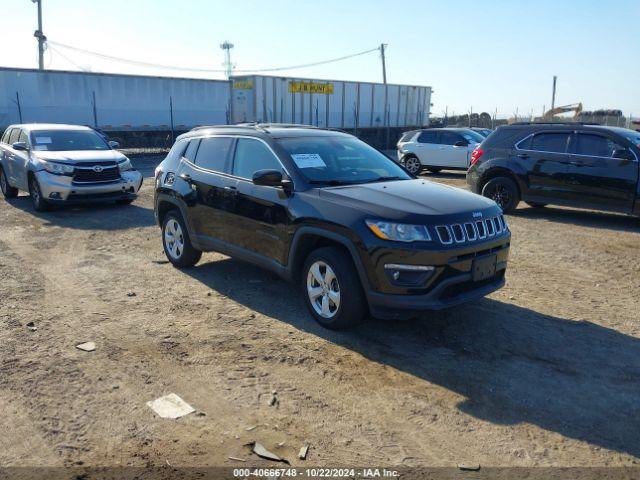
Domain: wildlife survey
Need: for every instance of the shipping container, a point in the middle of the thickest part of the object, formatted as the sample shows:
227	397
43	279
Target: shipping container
111	101
328	103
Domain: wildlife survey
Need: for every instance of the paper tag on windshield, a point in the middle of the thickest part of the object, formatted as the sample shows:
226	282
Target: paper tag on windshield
43	140
308	160
40	147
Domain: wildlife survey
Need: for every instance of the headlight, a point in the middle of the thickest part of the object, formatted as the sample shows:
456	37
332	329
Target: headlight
125	165
57	168
399	232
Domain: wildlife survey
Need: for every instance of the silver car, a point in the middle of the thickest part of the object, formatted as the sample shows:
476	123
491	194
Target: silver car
64	164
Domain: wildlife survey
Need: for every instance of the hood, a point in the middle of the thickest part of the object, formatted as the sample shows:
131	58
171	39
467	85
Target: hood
400	199
79	156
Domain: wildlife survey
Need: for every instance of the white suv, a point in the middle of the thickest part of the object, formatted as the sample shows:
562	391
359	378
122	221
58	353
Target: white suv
437	148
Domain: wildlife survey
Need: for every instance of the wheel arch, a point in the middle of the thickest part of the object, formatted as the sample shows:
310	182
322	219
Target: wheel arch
307	239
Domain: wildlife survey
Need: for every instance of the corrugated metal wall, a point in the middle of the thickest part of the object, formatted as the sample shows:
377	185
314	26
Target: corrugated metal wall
121	101
341	105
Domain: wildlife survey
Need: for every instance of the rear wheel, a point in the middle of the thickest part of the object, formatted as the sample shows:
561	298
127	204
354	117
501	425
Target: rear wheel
413	165
536	204
504	192
332	289
176	242
7	190
37	200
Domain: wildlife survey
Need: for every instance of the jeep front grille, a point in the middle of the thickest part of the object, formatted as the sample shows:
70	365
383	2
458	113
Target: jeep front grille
471	231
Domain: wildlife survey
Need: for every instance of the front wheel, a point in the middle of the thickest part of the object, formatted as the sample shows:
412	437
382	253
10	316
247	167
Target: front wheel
504	192
413	165
176	242
7	190
332	289
37	200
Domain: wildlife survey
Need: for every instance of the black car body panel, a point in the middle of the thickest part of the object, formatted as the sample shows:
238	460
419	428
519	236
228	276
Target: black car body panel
580	176
274	227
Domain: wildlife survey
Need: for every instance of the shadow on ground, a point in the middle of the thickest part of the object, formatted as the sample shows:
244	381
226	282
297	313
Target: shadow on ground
511	364
585	218
108	216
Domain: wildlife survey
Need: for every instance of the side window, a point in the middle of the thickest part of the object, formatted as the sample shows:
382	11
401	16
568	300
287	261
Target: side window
177	150
449	138
596	145
550	142
428	137
251	156
213	152
190	152
15	134
525	144
23	137
5	136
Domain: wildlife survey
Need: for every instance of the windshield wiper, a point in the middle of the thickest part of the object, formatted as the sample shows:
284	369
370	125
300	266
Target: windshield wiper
330	182
381	179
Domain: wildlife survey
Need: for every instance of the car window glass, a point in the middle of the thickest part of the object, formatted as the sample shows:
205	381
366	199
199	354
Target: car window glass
449	138
550	142
23	137
525	144
406	136
596	145
15	134
251	156
428	137
190	152
212	153
5	136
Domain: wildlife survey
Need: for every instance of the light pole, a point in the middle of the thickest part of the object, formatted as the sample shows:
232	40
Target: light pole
227	46
40	36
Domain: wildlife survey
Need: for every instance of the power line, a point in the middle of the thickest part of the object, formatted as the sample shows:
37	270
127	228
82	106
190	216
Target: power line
206	70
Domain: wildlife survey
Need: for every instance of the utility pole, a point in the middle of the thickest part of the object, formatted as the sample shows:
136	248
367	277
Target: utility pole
384	63
227	46
386	92
553	94
40	36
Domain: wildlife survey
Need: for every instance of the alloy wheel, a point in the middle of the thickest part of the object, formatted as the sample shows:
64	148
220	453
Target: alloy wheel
3	182
174	239
501	195
412	164
323	289
35	191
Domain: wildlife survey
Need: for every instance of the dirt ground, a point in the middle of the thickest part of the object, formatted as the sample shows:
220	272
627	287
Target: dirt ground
545	372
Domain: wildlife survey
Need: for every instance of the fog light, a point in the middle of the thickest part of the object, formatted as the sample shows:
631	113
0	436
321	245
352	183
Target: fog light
408	275
55	195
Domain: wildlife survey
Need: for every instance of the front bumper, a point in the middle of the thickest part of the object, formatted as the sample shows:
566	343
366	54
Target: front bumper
61	189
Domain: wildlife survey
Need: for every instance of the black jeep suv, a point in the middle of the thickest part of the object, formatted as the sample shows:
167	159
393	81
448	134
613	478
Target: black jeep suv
324	209
572	164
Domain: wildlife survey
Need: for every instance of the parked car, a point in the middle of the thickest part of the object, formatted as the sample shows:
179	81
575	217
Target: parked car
485	132
437	148
327	211
64	164
572	164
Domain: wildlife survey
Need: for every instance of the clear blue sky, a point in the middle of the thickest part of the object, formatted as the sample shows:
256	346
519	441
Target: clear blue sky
491	54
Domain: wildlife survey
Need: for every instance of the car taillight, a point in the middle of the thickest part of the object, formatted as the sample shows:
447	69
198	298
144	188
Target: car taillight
475	156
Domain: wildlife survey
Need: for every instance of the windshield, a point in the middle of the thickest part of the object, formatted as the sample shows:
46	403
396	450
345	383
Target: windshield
66	140
340	160
472	136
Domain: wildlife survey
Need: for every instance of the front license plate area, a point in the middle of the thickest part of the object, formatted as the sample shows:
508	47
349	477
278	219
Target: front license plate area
484	268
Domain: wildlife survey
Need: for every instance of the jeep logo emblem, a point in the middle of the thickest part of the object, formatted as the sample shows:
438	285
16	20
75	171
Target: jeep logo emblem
477	214
97	169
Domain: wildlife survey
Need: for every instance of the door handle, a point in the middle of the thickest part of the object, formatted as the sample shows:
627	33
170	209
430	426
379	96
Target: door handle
576	164
230	190
524	156
186	177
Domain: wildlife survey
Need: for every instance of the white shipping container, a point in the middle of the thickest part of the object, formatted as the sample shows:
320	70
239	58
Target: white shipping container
328	103
121	101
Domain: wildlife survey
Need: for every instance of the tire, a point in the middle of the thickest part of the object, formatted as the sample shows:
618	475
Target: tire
38	202
412	165
7	190
536	204
329	276
125	201
504	192
176	242
434	169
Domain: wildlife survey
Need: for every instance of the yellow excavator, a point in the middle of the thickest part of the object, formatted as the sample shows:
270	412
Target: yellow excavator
574	107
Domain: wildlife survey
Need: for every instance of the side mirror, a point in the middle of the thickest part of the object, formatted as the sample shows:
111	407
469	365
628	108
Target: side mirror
20	146
621	153
268	178
461	143
114	144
